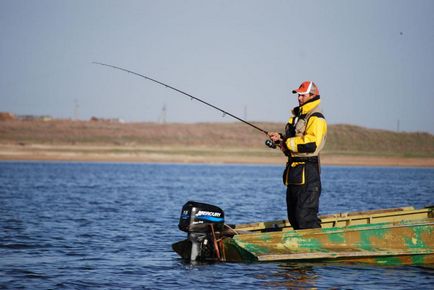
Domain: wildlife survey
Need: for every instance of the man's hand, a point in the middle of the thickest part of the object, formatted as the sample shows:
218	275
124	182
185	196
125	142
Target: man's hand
276	137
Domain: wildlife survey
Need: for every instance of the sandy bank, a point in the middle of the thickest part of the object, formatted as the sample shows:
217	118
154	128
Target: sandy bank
153	154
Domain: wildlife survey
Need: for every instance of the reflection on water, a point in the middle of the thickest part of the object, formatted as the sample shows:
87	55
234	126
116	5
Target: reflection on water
293	276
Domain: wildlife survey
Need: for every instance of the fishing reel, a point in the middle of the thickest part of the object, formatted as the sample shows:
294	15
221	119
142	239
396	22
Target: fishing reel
289	132
271	144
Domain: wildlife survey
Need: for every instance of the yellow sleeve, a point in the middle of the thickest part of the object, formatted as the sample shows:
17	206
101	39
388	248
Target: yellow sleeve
316	129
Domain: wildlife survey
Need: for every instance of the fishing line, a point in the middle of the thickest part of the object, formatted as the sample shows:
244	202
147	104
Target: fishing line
184	93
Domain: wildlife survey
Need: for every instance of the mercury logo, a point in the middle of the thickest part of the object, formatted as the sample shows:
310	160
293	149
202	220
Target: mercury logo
208	213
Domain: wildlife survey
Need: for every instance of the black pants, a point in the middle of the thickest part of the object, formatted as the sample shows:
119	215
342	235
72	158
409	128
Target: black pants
303	200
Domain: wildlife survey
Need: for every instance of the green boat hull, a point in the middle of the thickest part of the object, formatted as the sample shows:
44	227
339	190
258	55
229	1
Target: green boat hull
387	237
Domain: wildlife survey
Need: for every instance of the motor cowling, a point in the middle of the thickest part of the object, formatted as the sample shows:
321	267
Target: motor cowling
198	217
203	222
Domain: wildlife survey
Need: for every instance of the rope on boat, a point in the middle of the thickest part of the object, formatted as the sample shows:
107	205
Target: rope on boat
223	249
216	247
231	229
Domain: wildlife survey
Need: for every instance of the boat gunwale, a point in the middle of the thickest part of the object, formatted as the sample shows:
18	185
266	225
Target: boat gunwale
339	217
335	230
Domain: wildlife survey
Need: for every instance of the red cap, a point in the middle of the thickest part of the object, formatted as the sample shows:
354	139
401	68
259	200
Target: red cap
307	87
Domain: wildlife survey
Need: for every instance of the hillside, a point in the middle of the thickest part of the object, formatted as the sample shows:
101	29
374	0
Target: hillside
23	138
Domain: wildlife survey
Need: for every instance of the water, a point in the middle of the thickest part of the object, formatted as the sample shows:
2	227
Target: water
111	226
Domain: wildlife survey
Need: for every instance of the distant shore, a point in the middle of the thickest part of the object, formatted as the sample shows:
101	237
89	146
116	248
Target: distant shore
216	143
152	154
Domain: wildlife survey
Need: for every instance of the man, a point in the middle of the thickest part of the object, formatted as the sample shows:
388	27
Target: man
302	142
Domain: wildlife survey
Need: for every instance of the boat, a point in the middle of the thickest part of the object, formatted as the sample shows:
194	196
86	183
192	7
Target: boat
395	236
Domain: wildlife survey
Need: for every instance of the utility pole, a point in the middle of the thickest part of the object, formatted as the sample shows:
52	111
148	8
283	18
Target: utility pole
397	126
163	115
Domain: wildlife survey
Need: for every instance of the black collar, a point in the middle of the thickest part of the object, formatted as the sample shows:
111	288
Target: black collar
311	100
297	110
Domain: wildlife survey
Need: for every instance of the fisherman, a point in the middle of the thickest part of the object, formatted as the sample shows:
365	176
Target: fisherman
304	138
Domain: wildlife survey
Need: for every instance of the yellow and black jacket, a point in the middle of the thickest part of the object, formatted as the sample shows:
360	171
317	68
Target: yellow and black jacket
305	141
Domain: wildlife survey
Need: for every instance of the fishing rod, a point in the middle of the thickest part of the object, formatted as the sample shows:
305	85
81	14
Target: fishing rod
182	92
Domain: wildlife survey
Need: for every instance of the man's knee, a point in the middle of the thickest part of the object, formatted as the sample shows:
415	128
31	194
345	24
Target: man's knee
307	218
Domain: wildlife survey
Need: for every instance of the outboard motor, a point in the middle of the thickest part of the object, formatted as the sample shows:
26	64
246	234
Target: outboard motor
203	222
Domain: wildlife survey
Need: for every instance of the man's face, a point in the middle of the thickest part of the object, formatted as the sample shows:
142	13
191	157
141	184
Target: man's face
303	98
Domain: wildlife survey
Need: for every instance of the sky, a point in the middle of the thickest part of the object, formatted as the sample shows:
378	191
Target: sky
372	60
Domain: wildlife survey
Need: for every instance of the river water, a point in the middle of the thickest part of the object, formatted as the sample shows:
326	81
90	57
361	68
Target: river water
111	226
